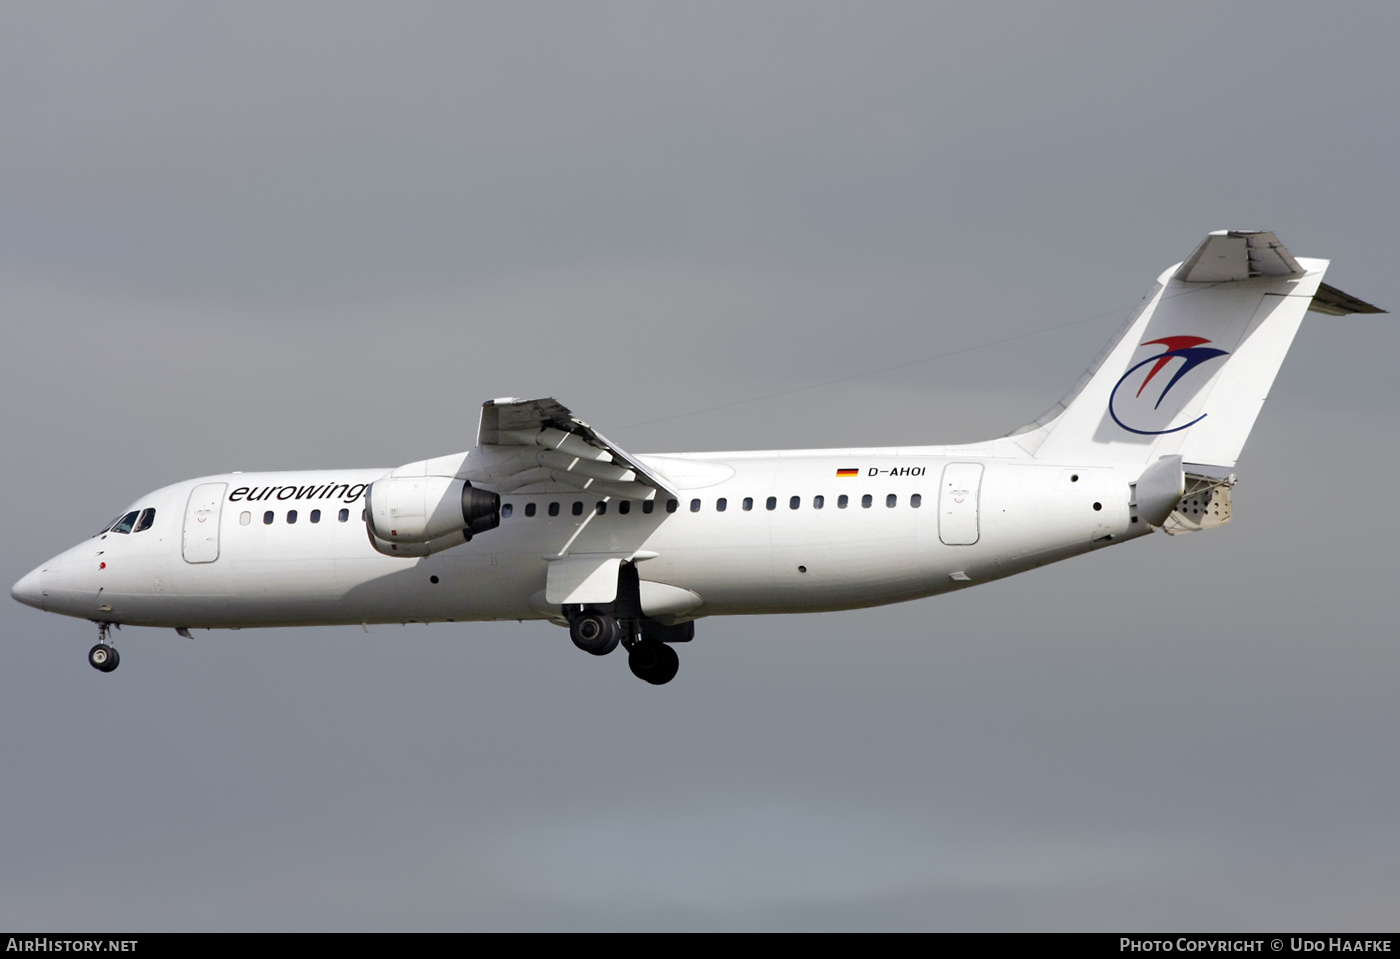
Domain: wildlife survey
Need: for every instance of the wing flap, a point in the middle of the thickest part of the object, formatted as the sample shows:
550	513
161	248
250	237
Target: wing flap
541	444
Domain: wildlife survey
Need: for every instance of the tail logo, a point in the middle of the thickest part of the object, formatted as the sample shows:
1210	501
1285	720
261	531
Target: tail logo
1133	406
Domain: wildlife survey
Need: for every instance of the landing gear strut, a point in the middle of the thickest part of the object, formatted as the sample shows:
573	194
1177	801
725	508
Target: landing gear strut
104	655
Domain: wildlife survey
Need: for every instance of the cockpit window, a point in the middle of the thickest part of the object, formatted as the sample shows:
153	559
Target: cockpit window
110	524
125	523
148	516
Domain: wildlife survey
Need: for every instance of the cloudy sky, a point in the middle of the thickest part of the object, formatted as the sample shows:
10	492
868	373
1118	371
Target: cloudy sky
249	236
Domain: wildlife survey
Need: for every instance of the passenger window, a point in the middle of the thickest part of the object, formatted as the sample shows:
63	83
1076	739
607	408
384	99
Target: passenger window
578	507
148	516
721	504
671	505
891	500
916	501
772	502
842	501
553	509
601	508
315	516
125	523
866	500
362	516
344	516
507	510
748	502
624	507
244	518
695	506
291	516
267	518
648	505
795	502
529	509
818	502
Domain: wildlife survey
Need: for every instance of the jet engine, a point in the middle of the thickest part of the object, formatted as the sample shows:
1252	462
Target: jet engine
419	515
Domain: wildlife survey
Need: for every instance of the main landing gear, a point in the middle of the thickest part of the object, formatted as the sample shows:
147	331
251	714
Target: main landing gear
104	656
595	632
649	656
653	661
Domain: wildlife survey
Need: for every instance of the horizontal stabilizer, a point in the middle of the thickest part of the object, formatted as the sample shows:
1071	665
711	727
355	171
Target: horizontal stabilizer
1238	255
1333	302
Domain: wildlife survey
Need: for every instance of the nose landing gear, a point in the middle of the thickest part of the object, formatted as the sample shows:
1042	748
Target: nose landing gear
104	656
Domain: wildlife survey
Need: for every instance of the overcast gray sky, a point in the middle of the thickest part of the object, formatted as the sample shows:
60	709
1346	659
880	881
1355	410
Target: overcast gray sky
246	236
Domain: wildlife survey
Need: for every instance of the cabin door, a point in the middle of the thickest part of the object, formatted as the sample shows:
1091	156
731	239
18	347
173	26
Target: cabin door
201	538
957	503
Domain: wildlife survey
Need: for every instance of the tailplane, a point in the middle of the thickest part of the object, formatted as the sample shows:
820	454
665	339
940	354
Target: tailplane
1189	371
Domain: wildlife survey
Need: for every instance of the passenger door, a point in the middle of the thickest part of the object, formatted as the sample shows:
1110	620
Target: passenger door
200	543
957	504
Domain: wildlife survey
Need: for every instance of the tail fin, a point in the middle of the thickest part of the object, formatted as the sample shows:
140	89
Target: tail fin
1189	371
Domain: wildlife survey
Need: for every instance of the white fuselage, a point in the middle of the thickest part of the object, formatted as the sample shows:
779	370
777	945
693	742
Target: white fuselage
979	517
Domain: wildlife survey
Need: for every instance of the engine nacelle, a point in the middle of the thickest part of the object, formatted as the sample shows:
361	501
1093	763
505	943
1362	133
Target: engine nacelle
419	549
403	510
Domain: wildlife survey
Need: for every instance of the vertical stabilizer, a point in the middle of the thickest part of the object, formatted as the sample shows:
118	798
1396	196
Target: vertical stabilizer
1189	371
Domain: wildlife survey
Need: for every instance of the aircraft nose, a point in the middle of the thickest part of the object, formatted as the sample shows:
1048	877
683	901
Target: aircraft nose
29	590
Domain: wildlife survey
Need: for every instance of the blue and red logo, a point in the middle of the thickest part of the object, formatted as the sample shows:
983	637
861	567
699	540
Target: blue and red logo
1142	410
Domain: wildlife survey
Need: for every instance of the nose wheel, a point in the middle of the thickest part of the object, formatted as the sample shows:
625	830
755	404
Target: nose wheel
104	656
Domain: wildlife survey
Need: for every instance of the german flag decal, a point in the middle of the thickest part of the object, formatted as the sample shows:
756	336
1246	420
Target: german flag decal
852	472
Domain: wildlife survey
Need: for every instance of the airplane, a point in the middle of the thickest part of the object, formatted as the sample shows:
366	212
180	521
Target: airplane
545	518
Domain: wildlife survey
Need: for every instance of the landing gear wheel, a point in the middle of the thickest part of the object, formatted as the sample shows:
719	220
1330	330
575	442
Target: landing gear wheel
594	632
104	658
653	662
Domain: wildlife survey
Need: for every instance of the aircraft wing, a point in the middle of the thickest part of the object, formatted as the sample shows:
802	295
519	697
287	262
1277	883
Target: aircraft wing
541	446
